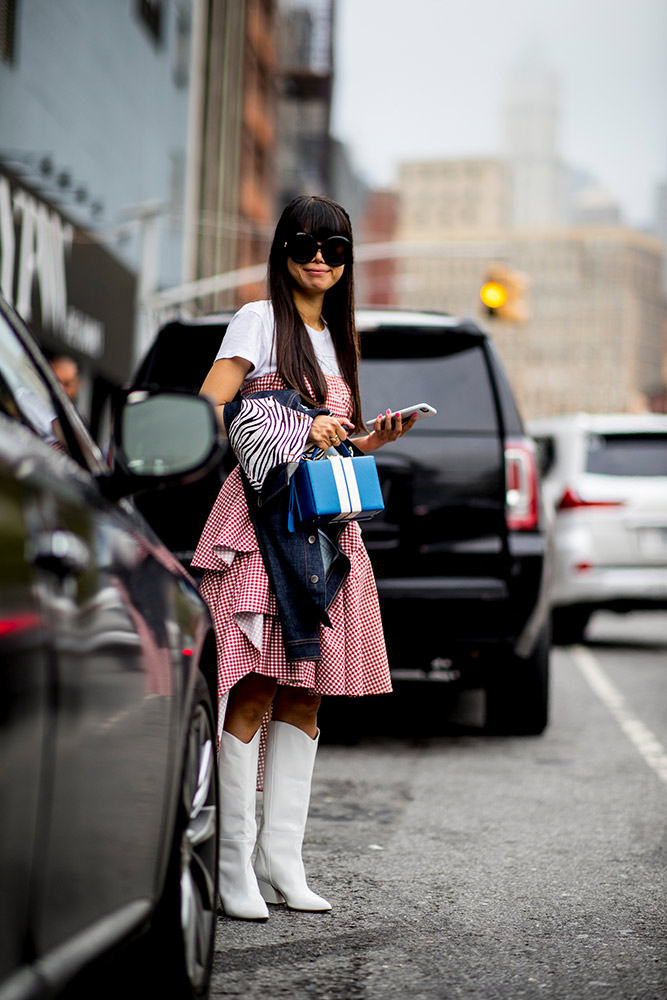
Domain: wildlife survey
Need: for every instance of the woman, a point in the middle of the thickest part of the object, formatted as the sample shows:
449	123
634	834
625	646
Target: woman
303	338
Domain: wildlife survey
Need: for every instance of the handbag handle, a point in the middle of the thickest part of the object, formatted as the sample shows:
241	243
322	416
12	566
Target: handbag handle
346	453
293	496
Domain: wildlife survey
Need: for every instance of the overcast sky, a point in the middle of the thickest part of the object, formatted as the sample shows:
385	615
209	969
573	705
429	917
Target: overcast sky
425	78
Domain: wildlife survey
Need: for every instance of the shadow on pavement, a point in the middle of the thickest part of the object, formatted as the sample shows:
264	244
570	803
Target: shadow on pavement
627	644
415	710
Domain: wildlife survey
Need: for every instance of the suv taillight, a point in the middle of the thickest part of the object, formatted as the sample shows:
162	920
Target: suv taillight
570	500
521	486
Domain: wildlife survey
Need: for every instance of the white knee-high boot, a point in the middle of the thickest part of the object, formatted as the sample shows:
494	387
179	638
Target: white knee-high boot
237	776
290	758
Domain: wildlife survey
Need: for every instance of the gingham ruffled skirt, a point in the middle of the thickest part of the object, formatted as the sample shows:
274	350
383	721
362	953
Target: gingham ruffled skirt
236	588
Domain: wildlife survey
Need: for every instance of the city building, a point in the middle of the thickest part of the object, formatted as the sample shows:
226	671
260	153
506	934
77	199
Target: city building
661	227
346	186
231	191
260	115
305	44
592	205
594	336
93	129
529	144
458	195
376	279
168	134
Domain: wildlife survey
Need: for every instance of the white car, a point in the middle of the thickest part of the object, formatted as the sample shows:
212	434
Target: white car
605	485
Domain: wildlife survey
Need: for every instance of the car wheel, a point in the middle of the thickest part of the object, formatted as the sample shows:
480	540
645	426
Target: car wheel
517	696
179	949
569	625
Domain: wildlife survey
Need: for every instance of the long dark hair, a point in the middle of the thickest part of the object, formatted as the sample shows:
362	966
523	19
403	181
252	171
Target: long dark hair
295	356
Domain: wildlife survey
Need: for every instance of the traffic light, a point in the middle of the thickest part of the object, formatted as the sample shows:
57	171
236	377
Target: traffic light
503	294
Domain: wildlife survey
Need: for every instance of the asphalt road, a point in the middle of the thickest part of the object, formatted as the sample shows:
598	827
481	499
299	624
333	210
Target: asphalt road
460	865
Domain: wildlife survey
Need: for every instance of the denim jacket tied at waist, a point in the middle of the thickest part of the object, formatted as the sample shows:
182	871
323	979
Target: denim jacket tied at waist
306	567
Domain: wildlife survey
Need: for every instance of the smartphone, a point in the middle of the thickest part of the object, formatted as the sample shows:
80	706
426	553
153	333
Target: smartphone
421	409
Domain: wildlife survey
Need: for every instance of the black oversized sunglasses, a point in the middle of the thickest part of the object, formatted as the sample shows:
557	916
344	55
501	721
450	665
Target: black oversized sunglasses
302	248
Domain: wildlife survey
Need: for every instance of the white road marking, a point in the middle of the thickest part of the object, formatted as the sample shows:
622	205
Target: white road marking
640	735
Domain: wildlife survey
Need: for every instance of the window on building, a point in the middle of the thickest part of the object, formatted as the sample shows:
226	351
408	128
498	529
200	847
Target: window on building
176	189
181	47
7	29
150	12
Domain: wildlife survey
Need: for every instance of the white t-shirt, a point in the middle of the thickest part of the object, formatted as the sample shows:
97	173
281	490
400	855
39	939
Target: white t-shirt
250	336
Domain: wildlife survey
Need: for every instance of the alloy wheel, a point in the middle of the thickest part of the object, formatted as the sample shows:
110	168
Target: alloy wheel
199	846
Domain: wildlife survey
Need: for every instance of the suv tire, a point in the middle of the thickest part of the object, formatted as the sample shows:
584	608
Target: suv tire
517	696
569	625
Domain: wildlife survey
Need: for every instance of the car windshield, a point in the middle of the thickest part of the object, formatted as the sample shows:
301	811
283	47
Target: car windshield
627	454
457	385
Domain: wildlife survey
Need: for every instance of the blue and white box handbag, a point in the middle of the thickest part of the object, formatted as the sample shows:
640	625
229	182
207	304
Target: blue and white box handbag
340	487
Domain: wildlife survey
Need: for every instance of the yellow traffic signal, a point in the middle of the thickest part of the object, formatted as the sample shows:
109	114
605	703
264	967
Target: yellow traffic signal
503	294
493	295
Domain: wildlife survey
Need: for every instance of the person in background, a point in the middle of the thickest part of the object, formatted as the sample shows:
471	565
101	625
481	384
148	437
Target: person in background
67	372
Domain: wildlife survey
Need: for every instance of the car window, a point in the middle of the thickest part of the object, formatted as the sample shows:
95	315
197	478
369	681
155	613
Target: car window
627	454
546	453
26	397
23	394
456	384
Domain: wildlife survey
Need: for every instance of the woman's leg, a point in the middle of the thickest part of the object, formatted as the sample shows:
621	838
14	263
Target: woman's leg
237	775
290	758
298	707
249	701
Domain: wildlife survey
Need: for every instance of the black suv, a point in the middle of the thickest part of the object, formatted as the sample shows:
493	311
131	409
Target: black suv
459	552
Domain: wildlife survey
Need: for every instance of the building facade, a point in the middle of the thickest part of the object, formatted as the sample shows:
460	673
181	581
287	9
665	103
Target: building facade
455	195
93	129
661	227
261	109
530	120
594	337
305	43
231	200
93	113
376	279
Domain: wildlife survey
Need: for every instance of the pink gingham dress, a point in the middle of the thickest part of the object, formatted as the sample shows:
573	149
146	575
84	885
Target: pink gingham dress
354	659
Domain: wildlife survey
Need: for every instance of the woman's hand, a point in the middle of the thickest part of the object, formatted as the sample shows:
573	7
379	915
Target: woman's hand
385	429
327	431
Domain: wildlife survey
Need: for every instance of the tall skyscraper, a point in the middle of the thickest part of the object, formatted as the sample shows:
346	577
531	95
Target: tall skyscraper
530	146
661	229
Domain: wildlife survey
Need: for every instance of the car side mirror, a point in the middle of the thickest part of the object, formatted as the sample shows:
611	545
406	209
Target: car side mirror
161	438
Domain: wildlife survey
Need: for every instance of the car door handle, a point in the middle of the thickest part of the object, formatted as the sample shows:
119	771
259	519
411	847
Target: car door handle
60	552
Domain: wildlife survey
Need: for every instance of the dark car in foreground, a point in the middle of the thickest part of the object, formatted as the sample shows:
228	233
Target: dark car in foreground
459	553
108	790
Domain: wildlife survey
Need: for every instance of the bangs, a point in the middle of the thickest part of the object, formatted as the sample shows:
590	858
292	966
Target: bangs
321	218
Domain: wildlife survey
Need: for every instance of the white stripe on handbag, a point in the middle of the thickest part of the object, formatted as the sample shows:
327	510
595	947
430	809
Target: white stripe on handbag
346	486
